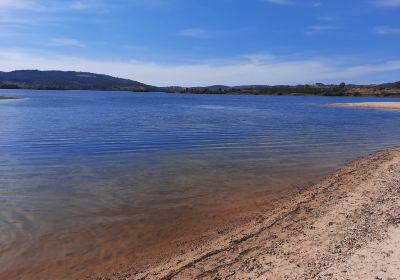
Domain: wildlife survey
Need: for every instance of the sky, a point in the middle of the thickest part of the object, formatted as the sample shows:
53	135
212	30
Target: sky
206	42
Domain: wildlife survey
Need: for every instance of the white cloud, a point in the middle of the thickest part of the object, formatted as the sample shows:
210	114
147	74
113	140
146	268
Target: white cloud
373	68
79	5
66	42
20	5
280	2
18	14
19	8
385	30
17	17
195	33
259	58
320	28
92	6
388	3
326	18
293	2
234	72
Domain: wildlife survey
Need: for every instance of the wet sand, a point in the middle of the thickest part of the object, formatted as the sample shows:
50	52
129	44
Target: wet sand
6	97
344	227
376	105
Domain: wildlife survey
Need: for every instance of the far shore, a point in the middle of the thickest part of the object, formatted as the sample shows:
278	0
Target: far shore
344	227
376	105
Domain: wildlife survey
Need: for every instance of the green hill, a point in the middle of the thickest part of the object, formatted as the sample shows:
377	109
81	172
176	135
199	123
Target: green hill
70	80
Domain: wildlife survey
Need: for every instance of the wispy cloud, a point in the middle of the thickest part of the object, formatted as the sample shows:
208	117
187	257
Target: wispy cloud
17	17
320	28
79	5
294	3
385	30
234	72
20	5
94	6
388	3
259	58
326	18
323	24
66	42
280	2
196	33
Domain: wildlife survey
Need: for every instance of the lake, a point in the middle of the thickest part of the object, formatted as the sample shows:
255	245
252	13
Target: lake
100	178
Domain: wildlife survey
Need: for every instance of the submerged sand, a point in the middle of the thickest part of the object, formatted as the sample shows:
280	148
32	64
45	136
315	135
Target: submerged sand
376	105
344	227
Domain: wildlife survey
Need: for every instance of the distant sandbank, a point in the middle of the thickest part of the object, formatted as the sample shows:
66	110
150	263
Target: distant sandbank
7	97
344	227
376	105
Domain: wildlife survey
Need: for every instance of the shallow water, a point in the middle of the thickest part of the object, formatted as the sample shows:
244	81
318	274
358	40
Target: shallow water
81	170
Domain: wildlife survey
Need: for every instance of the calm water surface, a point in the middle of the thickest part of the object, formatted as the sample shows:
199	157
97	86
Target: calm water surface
108	165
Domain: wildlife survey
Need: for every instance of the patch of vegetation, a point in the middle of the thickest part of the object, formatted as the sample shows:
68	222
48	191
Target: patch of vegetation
60	80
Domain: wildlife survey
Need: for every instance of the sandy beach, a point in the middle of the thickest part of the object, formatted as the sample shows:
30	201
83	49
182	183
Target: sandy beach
344	227
376	105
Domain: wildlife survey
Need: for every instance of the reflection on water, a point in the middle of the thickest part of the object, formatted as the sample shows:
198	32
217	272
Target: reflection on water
108	175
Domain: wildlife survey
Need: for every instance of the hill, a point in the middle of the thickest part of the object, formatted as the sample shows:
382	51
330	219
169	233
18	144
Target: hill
67	80
384	90
70	80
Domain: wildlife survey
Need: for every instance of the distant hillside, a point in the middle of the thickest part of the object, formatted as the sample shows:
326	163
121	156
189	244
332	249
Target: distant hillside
60	80
389	89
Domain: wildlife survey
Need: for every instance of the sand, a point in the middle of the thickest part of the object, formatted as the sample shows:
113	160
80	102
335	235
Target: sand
6	97
344	227
376	105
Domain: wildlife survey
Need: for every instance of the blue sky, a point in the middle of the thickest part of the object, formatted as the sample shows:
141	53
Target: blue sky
204	42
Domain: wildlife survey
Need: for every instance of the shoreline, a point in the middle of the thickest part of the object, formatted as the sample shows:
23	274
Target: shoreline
334	229
234	93
372	105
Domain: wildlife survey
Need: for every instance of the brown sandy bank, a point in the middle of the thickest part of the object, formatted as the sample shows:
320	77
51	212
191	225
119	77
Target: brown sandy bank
377	105
344	227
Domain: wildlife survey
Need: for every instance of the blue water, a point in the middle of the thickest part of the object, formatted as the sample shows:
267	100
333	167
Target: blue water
79	158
